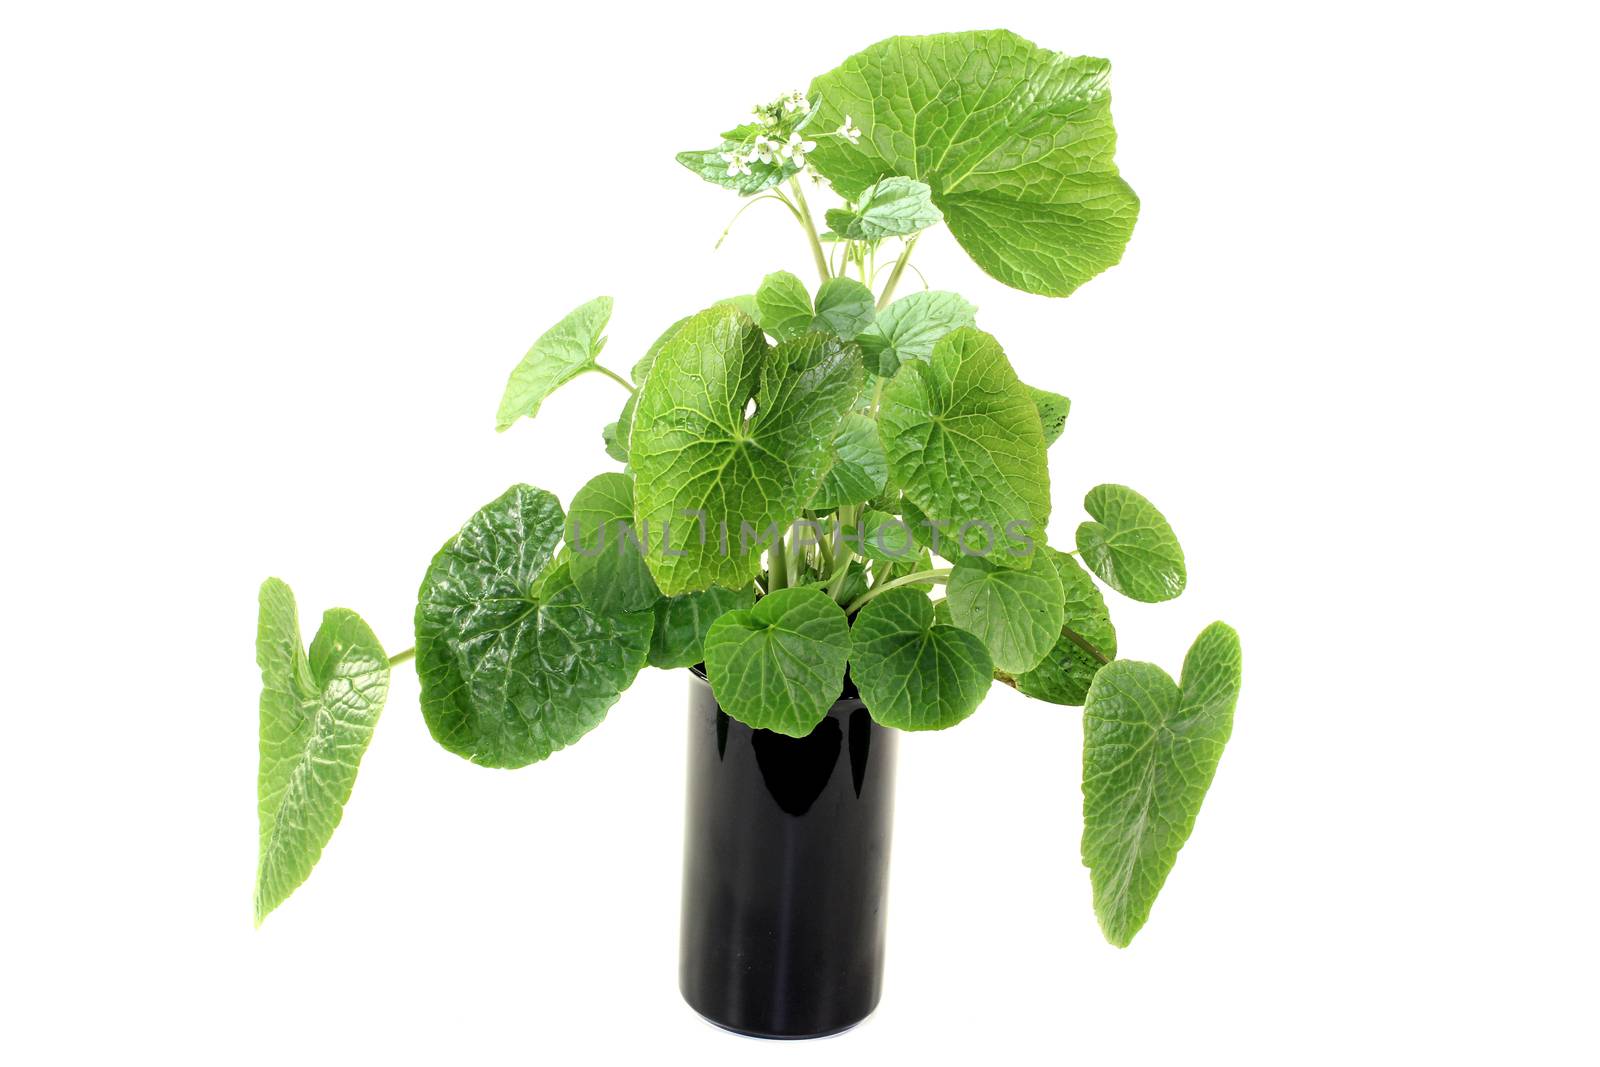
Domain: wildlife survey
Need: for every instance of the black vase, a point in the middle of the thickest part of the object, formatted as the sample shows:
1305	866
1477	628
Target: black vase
785	870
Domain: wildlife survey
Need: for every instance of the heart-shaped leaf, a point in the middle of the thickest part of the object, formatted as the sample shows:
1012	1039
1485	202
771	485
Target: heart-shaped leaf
1087	642
1150	750
563	352
514	665
964	444
780	665
784	304
1014	141
844	307
606	556
909	328
682	623
857	469
913	672
711	478
887	538
893	207
317	715
1015	611
1132	548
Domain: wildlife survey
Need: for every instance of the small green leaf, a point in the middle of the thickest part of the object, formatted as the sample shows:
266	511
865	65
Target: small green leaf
1088	640
1053	409
844	307
1131	547
711	164
713	478
915	673
892	207
780	665
887	538
616	434
514	665
965	446
1150	750
317	716
563	352
1015	611
606	555
683	621
858	468
909	328
1015	143
784	305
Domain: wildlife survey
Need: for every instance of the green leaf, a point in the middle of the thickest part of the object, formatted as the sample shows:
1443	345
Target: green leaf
682	623
1131	547
514	665
607	556
858	468
915	673
641	369
317	715
616	434
779	666
563	352
1150	750
887	538
784	304
711	165
893	207
909	328
1014	141
965	446
1016	612
844	307
1088	640
711	481
1053	409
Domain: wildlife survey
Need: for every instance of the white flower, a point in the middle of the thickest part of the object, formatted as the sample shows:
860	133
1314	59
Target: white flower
796	101
736	164
764	116
849	132
764	150
794	148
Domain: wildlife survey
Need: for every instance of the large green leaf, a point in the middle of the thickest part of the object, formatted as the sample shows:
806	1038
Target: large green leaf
317	715
915	673
857	468
683	621
1087	642
606	555
893	207
563	352
1015	611
641	369
1150	750
909	328
780	665
1131	546
514	665
965	445
713	478
784	304
1014	141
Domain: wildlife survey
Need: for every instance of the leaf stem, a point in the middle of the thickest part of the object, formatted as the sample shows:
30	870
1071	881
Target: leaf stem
400	657
777	566
779	197
614	376
1083	643
894	275
810	228
937	574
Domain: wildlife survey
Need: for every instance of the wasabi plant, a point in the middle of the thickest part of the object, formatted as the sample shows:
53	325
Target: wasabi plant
814	484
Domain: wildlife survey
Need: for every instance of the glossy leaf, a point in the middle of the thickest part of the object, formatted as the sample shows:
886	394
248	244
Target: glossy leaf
1150	750
707	472
1131	546
683	621
784	304
892	207
563	352
913	672
317	716
1087	642
780	665
1014	141
857	468
606	556
1015	611
513	664
965	446
844	307
909	328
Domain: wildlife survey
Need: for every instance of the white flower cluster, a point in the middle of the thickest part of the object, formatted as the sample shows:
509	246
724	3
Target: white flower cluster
775	150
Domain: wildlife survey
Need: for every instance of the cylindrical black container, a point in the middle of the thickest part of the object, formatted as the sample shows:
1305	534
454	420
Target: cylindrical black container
785	870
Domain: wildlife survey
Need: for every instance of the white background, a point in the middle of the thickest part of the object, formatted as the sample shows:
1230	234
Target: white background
263	272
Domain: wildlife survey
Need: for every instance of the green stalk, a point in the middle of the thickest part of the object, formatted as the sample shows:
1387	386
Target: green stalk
894	275
938	574
777	566
614	376
811	229
400	657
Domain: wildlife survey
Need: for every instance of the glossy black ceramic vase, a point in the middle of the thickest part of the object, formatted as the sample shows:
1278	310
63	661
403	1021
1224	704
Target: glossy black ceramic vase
785	870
